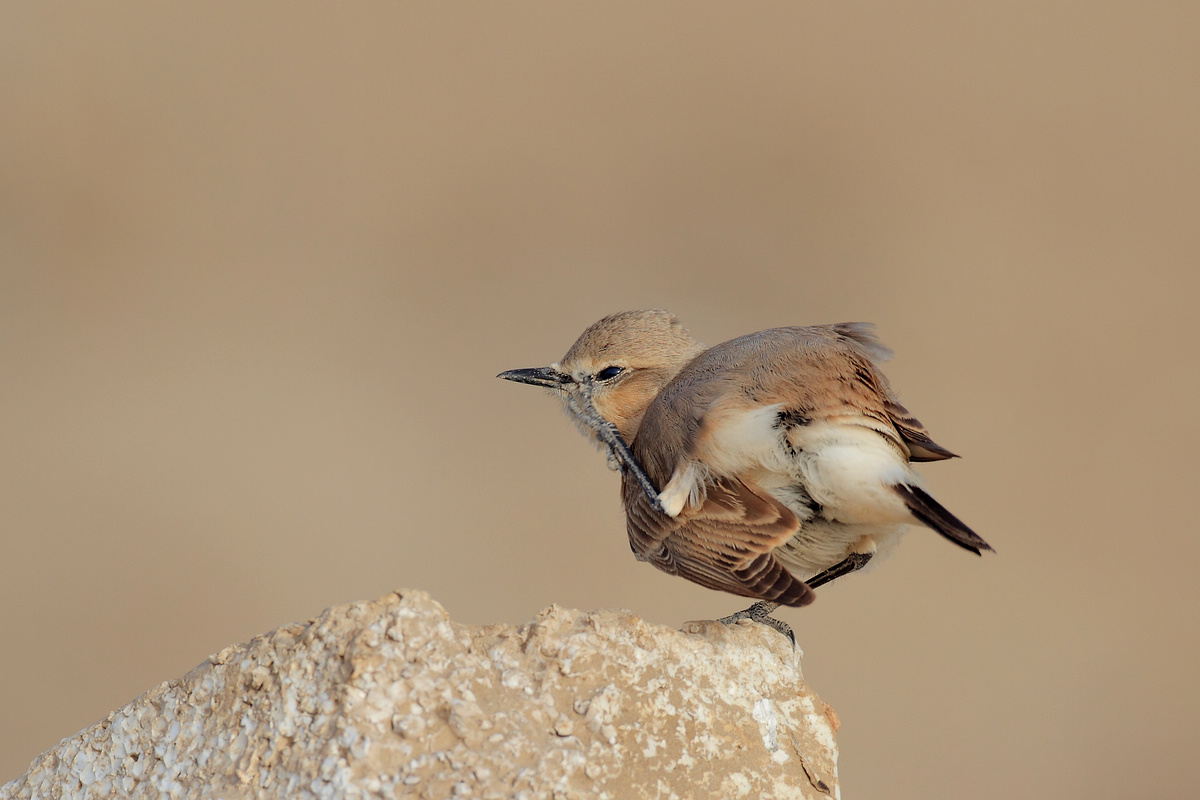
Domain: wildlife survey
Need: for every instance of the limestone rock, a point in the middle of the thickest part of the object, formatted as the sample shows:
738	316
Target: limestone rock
392	699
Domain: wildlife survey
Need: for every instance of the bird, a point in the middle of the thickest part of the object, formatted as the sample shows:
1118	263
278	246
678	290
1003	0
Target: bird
765	466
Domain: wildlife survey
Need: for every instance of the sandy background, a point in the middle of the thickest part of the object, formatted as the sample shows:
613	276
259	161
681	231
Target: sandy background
259	267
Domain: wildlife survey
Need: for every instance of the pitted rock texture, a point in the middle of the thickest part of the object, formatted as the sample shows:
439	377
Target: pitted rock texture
392	699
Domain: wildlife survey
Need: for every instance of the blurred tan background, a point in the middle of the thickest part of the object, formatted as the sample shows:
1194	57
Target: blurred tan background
259	266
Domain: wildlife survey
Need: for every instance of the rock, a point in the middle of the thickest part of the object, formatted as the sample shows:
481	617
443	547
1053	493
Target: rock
392	699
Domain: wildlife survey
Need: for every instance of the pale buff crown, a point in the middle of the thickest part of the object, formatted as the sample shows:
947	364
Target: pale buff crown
648	346
641	338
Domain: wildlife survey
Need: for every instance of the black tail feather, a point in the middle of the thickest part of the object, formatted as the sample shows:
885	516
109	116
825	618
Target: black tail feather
931	513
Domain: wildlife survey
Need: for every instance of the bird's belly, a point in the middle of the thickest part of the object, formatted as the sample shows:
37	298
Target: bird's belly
821	543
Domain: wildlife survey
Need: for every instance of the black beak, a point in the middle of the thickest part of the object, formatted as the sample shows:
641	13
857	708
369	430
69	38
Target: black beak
537	376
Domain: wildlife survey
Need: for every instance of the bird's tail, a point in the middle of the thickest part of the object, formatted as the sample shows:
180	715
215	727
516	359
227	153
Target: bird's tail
931	513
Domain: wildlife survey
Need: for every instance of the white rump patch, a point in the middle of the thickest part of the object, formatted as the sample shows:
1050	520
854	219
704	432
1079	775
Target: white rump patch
850	469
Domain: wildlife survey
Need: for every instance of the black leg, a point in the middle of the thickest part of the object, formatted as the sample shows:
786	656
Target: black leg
624	457
618	450
852	563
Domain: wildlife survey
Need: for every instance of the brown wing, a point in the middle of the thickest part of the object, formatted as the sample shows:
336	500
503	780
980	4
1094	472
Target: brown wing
877	400
920	446
726	544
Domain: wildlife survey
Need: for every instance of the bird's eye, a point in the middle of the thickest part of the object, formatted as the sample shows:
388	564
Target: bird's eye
608	373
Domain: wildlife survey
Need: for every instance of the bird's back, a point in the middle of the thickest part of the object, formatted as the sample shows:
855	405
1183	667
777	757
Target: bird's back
801	374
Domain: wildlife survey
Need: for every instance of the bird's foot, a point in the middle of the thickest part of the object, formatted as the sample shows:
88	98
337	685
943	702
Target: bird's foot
760	612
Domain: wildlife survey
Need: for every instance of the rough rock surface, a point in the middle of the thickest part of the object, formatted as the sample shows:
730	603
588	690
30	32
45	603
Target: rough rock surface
392	699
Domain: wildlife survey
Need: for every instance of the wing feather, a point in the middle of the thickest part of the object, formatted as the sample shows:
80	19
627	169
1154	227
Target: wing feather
726	544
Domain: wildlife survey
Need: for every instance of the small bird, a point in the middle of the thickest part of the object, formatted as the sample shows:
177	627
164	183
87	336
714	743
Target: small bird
765	466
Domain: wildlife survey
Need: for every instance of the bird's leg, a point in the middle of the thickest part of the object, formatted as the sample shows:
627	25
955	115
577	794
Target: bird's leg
617	449
761	612
851	563
616	445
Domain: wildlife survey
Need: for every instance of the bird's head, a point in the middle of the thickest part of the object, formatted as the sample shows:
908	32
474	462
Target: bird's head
615	369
